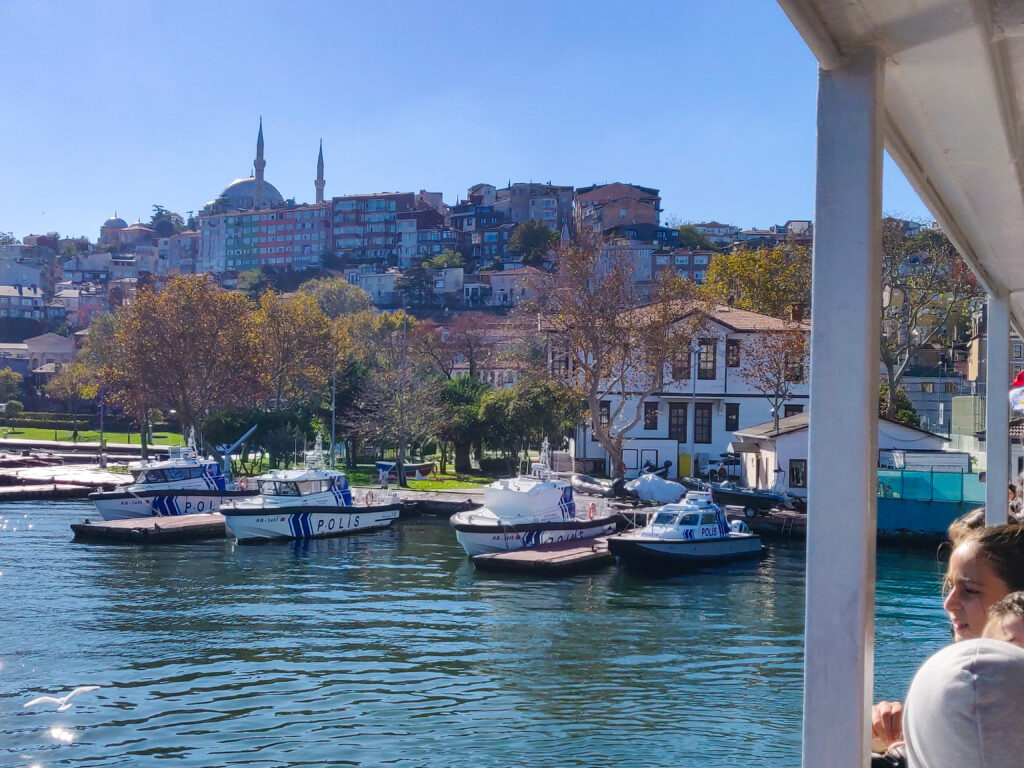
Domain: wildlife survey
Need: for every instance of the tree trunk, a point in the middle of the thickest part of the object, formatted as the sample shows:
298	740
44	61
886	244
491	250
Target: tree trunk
402	482
617	469
144	439
890	395
462	457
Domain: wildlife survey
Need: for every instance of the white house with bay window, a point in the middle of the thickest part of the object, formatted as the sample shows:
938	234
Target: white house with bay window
692	420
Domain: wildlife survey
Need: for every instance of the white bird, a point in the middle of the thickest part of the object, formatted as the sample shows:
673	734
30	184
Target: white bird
64	701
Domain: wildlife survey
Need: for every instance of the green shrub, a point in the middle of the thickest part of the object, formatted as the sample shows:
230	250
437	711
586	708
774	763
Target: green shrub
494	466
14	408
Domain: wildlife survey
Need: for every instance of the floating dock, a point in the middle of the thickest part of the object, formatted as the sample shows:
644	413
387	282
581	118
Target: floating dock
152	530
559	558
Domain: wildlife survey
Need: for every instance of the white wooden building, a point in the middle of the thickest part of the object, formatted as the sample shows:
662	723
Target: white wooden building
779	458
692	420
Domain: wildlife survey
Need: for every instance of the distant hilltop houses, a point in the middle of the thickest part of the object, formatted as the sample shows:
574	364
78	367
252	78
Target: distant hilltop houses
375	240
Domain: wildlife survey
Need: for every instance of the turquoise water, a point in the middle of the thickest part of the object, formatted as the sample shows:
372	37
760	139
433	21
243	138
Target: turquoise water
388	649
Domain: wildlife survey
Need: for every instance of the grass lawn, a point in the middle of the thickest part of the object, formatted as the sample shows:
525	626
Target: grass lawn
88	436
366	474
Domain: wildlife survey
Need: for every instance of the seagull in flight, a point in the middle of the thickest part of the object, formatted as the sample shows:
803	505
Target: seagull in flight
63	701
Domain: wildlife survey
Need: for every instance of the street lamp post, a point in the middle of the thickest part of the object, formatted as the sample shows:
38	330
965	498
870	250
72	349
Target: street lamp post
694	351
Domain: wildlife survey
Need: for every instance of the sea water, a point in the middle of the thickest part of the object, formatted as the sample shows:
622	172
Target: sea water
389	649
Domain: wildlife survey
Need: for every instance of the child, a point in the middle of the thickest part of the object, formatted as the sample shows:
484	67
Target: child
1006	620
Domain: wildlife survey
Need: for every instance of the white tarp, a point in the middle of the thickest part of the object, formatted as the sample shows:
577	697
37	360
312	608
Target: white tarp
653	488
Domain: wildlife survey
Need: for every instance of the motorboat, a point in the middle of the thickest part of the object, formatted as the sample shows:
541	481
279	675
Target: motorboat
388	470
754	501
688	534
183	483
528	510
308	503
591	486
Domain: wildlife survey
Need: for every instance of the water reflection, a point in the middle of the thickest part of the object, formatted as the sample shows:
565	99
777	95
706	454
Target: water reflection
388	648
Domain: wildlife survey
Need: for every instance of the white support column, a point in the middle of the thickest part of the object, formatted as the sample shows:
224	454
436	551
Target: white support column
997	422
843	449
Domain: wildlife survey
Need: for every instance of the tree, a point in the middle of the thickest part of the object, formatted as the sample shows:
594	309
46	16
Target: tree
398	402
10	384
336	296
767	280
460	416
774	363
926	288
446	259
253	282
533	408
602	344
689	237
166	223
415	286
468	338
532	242
295	338
192	348
905	412
74	384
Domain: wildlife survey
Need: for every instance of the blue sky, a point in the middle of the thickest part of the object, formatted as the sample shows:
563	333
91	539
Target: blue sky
117	106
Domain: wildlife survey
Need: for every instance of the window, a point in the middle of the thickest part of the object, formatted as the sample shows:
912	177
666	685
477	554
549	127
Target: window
677	422
793	410
706	360
794	369
927	387
560	363
702	423
1018	351
798	473
681	366
604	415
949	388
732	353
700	260
682	259
732	417
708	518
650	415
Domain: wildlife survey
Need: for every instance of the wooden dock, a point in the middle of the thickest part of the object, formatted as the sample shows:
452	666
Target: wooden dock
152	530
559	558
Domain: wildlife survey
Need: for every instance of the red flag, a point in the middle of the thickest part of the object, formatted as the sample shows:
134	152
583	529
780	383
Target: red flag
1017	392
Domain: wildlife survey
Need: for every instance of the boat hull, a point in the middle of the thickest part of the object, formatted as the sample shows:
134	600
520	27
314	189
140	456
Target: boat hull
307	522
736	498
653	555
481	539
127	505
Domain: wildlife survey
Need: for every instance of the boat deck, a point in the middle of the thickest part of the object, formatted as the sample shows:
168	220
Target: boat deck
152	530
559	558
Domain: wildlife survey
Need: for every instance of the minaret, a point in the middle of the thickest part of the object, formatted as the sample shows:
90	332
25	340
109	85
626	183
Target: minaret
320	175
258	166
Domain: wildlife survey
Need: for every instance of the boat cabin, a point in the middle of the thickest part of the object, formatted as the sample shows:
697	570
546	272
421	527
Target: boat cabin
299	487
152	475
695	518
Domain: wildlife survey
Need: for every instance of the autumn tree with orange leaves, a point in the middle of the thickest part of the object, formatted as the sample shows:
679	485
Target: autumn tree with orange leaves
192	347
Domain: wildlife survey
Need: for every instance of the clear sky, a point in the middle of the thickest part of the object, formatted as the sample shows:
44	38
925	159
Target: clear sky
110	106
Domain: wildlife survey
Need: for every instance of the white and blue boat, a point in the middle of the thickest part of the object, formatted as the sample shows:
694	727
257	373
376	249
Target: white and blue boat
308	503
184	483
528	510
690	534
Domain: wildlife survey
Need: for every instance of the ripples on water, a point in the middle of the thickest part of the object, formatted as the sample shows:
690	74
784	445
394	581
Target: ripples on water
387	649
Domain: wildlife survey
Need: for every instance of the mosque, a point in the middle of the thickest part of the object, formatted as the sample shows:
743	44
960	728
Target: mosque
253	193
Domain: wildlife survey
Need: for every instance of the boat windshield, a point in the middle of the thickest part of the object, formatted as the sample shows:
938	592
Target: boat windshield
690	518
278	488
665	518
169	475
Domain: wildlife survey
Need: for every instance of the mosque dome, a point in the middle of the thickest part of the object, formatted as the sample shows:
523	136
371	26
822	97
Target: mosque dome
242	194
115	222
